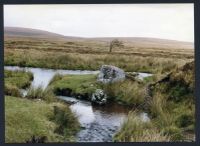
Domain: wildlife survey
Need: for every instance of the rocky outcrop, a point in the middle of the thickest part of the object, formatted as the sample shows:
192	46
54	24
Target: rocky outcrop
99	97
110	74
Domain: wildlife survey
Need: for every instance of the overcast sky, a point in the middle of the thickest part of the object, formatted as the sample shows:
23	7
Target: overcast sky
168	21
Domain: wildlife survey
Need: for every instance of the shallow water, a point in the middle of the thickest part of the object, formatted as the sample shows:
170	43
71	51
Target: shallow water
42	76
99	123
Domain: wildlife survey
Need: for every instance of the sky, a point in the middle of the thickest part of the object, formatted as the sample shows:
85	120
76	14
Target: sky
166	21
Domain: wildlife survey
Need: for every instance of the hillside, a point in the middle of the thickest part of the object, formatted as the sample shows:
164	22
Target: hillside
33	33
30	47
140	42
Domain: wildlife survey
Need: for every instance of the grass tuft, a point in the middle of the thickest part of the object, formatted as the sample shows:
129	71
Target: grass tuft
135	130
40	93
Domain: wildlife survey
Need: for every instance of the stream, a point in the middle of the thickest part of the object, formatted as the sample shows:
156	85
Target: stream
99	123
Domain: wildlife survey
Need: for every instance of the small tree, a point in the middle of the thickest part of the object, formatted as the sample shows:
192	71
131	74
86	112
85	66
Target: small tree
115	43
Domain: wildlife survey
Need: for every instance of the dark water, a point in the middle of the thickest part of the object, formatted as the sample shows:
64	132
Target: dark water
99	123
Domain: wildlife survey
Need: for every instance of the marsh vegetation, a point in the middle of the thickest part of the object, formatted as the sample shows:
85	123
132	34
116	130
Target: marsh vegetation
171	105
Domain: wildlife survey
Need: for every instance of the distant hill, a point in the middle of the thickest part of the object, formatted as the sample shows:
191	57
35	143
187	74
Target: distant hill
29	32
130	41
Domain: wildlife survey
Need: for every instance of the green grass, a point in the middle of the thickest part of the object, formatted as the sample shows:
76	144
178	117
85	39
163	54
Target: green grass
20	79
172	106
15	80
40	93
126	92
172	110
67	123
135	130
25	118
81	55
78	84
91	61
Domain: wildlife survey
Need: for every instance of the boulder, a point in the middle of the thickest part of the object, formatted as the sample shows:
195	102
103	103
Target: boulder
99	97
110	74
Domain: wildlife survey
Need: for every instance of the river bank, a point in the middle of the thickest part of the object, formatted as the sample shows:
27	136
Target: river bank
97	125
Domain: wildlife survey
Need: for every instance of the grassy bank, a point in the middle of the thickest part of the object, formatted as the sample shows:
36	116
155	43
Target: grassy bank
171	107
173	103
15	80
172	110
74	85
93	61
26	118
136	130
41	93
46	119
126	92
90	55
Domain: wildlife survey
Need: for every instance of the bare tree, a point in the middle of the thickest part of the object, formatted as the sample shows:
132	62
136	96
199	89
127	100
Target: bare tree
115	43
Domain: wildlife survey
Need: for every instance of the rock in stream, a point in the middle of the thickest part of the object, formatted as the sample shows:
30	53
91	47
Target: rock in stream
110	74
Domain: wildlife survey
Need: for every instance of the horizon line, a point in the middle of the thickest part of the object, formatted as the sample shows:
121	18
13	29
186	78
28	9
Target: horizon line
96	37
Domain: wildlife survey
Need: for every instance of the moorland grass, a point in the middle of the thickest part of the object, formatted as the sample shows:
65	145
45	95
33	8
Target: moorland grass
136	130
77	84
78	61
126	92
95	46
172	111
41	93
15	80
172	106
20	79
90	55
26	118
